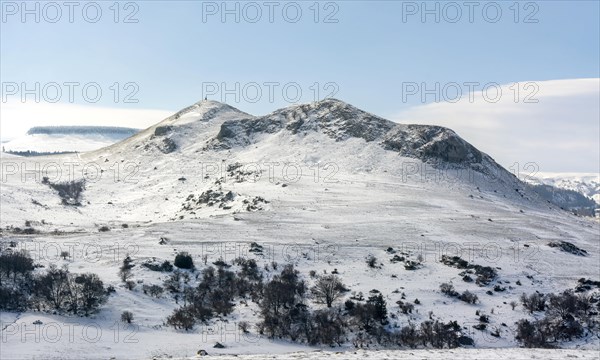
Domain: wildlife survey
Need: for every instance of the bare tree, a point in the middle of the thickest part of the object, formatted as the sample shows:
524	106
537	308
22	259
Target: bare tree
127	317
328	289
125	269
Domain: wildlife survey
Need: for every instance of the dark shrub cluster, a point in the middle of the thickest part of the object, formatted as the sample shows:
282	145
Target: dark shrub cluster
286	316
466	296
285	313
584	284
534	302
567	316
16	269
25	231
183	260
371	315
256	248
485	274
408	264
70	192
448	289
153	290
214	295
54	290
436	334
165	266
405	307
282	304
248	269
61	290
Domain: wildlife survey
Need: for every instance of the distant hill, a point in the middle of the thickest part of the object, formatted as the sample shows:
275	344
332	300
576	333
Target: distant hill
577	192
567	199
42	140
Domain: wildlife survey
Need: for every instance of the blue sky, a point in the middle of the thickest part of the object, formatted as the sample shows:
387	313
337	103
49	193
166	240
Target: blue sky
369	53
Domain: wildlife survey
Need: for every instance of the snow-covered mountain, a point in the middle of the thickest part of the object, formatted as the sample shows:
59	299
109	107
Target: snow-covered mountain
319	142
59	139
324	186
587	184
576	192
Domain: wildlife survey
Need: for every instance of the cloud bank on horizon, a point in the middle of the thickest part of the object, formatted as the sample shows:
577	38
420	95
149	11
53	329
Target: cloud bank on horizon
17	117
555	125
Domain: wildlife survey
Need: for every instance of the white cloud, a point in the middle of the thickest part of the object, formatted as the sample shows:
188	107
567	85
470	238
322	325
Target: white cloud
561	132
18	117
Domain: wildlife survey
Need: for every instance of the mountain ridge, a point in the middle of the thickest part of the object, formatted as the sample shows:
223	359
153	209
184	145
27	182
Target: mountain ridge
341	121
209	153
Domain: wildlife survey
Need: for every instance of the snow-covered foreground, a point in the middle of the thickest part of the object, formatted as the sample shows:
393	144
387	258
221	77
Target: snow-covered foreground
543	269
466	354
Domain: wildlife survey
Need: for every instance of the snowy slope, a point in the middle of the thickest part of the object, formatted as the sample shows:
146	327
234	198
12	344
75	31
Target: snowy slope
136	174
322	186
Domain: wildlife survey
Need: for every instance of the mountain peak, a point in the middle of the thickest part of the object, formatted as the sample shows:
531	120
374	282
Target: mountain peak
331	101
341	121
205	110
211	103
328	105
213	125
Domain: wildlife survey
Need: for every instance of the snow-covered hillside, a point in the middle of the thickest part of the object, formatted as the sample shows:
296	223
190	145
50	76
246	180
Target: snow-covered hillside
323	186
56	139
212	146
